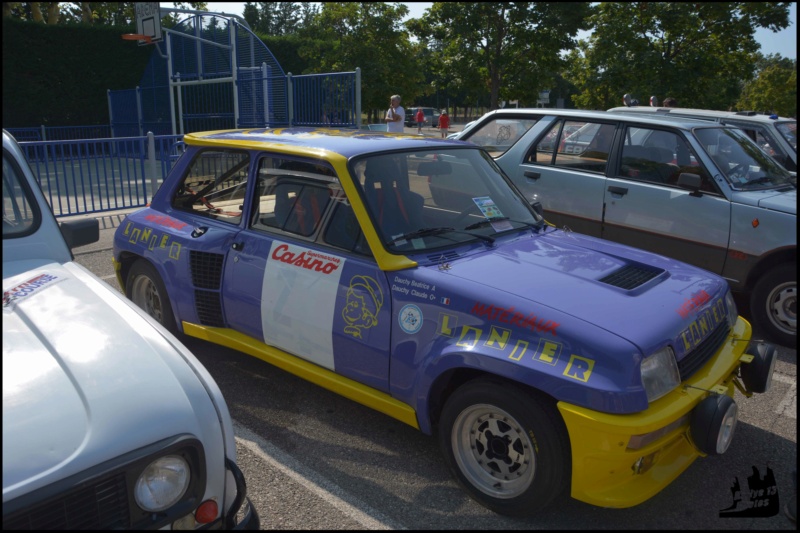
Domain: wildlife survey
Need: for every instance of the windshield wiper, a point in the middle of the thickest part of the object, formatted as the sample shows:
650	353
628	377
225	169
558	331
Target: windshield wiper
437	231
538	225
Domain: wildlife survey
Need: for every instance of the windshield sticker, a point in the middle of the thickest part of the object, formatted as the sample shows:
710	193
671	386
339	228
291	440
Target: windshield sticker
491	211
410	319
23	290
364	302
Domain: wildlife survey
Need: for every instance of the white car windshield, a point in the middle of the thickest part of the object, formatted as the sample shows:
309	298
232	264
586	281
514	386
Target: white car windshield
740	160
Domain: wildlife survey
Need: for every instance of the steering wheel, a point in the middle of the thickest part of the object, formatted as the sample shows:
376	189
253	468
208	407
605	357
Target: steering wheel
736	170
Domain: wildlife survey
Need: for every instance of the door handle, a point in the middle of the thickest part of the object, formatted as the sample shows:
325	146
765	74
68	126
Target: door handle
238	246
622	191
532	175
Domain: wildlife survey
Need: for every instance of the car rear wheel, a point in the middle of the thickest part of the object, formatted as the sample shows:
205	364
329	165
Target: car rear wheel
507	447
773	304
145	288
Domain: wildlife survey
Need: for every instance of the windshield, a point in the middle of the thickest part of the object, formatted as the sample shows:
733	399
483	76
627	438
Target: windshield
788	130
740	160
430	199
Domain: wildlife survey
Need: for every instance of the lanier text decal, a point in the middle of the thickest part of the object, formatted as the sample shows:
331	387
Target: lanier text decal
547	351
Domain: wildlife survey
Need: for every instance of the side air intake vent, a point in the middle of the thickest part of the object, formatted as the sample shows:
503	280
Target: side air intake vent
206	269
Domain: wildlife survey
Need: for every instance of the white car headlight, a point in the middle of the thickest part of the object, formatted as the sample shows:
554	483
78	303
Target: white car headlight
163	483
730	304
660	374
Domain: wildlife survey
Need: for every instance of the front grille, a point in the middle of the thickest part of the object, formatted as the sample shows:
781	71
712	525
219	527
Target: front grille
103	504
695	359
206	269
631	276
209	308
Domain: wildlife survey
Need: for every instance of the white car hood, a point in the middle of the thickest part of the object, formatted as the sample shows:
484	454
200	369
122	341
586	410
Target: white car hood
70	342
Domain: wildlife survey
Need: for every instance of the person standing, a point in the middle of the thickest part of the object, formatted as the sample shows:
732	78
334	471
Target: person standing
420	119
444	123
670	102
395	116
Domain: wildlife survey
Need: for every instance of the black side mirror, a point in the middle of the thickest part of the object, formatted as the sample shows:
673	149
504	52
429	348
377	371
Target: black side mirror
537	206
80	232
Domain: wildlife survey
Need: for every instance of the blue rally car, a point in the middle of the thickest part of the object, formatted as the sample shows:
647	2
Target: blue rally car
411	276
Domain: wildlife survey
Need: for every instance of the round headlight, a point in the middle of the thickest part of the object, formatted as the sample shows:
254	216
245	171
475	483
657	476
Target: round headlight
162	484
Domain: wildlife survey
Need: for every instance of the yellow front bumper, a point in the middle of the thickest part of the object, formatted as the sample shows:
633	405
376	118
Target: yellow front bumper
604	467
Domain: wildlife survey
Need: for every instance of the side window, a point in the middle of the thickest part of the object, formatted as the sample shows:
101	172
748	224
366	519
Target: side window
215	185
497	136
343	230
575	144
21	215
292	196
660	157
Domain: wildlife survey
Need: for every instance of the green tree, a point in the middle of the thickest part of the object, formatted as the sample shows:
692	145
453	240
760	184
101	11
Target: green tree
103	13
509	50
273	18
774	89
368	35
700	53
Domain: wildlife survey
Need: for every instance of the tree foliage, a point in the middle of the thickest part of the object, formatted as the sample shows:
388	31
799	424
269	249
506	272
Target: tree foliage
774	89
101	13
370	36
509	50
699	53
279	18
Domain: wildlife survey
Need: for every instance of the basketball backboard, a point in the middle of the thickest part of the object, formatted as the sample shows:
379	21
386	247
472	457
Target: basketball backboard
148	22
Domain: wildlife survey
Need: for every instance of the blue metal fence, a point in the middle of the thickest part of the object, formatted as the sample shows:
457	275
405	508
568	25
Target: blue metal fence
60	133
96	175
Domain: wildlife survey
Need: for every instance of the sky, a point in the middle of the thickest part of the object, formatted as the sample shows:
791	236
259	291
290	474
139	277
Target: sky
783	42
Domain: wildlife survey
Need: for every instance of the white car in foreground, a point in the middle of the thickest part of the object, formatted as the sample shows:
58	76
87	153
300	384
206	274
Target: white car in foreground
109	422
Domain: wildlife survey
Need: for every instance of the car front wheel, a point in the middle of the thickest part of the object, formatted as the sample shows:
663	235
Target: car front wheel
773	304
506	446
145	288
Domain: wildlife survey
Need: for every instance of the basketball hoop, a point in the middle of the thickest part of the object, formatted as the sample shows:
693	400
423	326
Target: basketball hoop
143	39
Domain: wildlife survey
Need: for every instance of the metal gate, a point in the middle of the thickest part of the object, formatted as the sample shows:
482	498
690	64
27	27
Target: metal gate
211	73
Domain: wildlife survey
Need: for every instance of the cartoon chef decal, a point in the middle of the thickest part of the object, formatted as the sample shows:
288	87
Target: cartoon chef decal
364	302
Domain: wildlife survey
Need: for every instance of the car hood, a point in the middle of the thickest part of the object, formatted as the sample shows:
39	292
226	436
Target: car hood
784	201
582	276
81	368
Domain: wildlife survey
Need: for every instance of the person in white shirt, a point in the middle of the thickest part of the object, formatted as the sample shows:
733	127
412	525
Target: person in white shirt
395	116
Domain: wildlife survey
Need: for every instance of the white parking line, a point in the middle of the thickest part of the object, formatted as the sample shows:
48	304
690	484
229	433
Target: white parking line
323	488
788	406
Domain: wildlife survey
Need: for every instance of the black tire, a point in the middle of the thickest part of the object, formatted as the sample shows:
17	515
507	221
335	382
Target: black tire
491	430
773	305
145	288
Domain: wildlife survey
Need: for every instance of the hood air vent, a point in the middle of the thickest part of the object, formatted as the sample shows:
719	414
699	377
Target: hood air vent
631	276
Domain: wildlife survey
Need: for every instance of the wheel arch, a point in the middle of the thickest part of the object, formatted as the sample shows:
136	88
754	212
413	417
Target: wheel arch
446	383
769	261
